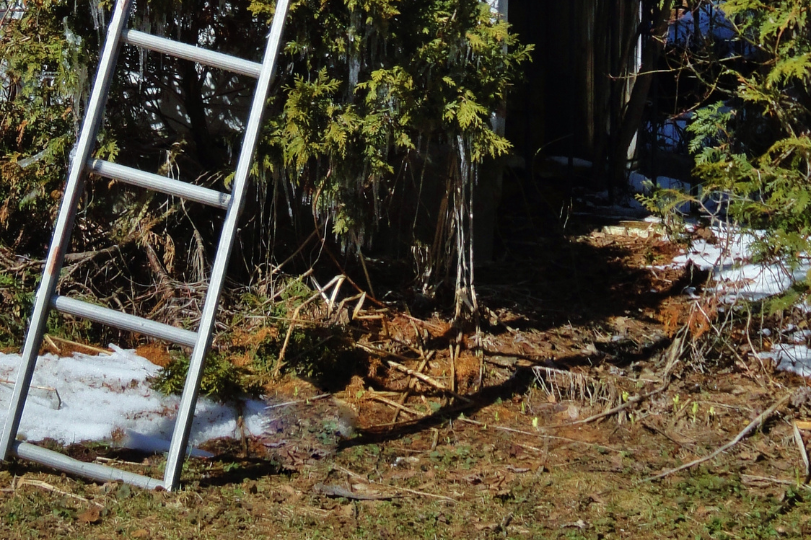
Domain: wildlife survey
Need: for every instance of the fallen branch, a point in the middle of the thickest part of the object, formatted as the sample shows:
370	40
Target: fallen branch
427	379
752	425
381	352
432	326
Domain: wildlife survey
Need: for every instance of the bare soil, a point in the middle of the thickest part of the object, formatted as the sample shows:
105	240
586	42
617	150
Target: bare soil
577	325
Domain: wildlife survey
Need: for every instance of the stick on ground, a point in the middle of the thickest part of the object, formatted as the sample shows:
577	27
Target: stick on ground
752	425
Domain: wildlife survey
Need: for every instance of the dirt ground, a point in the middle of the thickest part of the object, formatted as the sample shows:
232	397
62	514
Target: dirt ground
496	436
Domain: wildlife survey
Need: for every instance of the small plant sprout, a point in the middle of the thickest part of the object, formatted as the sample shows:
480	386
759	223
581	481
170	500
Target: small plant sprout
710	415
497	419
535	422
625	396
694	411
676	403
523	407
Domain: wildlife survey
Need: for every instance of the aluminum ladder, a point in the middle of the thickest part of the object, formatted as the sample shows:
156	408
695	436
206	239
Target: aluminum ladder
199	341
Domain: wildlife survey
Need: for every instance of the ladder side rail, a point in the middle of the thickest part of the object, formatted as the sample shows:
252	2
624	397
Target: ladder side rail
185	415
64	225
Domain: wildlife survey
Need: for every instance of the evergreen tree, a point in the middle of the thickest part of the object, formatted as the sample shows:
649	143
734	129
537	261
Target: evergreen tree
369	94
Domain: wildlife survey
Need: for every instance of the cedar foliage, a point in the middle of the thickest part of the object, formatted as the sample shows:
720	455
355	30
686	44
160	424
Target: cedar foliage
753	148
369	93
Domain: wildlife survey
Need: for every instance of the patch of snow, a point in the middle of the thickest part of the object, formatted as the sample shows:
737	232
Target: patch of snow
729	258
794	358
107	395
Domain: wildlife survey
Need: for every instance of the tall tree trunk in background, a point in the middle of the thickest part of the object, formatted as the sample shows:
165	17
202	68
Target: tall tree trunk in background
487	193
635	108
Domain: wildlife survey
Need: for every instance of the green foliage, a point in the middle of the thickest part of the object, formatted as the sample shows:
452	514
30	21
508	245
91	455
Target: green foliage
46	76
363	86
756	148
374	79
18	301
319	354
221	379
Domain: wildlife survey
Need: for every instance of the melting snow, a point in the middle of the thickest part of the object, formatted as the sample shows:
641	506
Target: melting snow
729	257
93	398
736	277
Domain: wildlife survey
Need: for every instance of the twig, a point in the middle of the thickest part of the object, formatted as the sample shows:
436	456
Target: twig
411	384
424	323
752	425
755	478
51	389
798	438
413	491
429	380
52	344
424	378
48	487
453	367
366	273
121	461
278	267
286	403
673	355
91	348
359	305
541	435
339	491
394	404
399	367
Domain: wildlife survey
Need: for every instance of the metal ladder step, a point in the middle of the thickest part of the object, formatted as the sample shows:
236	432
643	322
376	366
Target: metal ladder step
190	52
159	183
124	321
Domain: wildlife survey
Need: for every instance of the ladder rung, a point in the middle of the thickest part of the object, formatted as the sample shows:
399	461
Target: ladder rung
156	182
190	52
124	321
95	471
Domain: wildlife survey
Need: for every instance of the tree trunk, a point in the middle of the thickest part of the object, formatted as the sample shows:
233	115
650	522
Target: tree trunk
635	108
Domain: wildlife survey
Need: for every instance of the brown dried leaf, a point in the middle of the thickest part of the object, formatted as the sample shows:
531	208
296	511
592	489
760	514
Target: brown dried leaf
91	515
